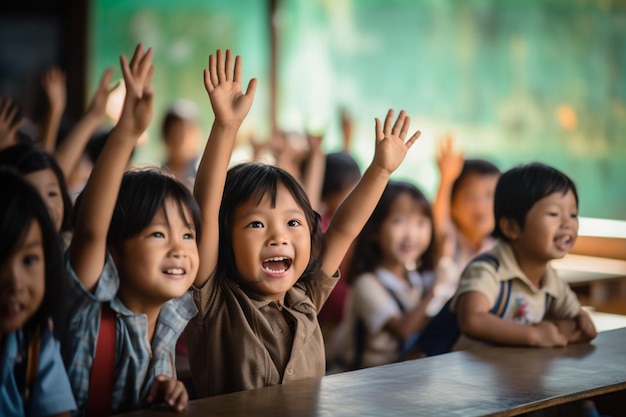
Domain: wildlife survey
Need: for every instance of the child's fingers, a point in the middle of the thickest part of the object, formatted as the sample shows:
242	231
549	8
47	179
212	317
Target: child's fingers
145	66
413	139
237	77
251	90
180	397
404	129
379	131
221	73
106	79
134	61
213	70
397	126
388	121
228	66
4	106
208	85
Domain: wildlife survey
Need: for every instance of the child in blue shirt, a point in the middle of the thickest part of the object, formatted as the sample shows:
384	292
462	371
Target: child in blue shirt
32	377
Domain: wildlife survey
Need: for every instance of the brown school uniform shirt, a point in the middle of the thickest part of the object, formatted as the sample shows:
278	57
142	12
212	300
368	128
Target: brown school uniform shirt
239	341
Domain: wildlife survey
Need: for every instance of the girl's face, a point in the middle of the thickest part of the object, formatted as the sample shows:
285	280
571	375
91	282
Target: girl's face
161	262
47	184
272	245
472	206
404	235
22	281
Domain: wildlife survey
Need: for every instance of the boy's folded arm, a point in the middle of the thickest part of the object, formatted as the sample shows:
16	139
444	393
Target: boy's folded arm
476	322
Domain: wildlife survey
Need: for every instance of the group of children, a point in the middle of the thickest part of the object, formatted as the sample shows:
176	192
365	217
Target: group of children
243	264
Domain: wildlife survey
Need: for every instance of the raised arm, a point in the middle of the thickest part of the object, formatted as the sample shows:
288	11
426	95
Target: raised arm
313	175
230	106
88	247
69	152
450	164
355	210
53	82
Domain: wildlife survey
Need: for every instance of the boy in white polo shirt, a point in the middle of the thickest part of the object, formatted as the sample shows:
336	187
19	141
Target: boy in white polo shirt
536	213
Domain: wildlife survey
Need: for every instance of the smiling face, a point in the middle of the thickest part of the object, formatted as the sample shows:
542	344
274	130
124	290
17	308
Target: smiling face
22	281
404	235
271	244
161	262
550	229
47	185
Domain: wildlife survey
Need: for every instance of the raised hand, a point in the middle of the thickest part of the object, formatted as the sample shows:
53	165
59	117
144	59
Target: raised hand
137	109
391	146
98	104
170	391
53	83
229	103
449	160
9	123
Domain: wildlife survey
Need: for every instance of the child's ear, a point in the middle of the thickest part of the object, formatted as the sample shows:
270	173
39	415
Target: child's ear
509	227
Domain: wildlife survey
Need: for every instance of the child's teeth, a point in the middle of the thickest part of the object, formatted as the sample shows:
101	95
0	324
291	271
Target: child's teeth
175	271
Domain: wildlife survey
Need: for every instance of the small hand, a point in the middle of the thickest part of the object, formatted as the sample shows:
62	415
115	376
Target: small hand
53	82
137	109
449	160
170	391
9	123
548	335
586	327
229	104
391	148
315	141
98	104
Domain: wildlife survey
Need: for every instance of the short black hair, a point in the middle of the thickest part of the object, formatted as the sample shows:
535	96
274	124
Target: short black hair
253	181
27	158
341	169
20	207
519	188
142	193
473	167
367	251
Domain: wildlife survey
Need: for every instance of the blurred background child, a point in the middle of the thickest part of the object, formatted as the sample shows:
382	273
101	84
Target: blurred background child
388	297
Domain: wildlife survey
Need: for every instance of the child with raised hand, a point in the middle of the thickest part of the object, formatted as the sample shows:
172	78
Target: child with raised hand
386	307
463	214
53	83
264	273
132	259
536	211
33	380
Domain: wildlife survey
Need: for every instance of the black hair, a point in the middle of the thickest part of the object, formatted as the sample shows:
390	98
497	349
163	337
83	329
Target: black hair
20	207
479	167
367	251
341	170
180	110
253	181
142	193
26	159
521	187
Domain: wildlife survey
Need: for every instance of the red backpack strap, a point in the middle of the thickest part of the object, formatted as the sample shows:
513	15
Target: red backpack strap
100	394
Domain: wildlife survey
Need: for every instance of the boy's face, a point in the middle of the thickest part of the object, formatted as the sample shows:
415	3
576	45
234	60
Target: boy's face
161	262
472	205
405	234
22	281
551	228
272	245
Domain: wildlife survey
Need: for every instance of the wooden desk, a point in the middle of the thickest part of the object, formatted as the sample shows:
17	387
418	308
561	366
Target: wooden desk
488	381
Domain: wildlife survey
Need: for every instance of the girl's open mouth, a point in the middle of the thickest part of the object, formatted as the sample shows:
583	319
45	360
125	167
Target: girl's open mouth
277	264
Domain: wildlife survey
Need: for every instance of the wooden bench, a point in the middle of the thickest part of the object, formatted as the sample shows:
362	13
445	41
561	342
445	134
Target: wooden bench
499	381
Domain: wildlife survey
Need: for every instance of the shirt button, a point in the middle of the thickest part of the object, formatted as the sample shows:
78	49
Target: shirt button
289	371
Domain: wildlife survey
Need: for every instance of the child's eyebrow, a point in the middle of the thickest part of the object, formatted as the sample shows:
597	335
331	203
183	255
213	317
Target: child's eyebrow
32	244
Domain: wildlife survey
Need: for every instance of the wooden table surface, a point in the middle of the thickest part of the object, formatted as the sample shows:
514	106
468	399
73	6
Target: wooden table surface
487	381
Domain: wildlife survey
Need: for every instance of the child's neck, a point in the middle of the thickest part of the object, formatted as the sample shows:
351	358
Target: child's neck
139	306
474	242
397	269
534	269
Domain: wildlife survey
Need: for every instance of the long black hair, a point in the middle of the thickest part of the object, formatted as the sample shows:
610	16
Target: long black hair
253	181
21	206
367	251
27	158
